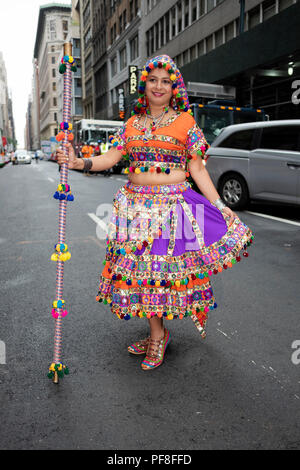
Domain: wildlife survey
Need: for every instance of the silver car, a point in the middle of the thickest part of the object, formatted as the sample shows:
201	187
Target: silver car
256	160
23	156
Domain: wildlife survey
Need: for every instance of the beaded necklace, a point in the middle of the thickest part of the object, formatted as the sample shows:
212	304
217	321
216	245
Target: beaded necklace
155	123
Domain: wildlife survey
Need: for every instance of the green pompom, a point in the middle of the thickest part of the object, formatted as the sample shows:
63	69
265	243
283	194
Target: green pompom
50	375
74	68
62	68
60	373
66	371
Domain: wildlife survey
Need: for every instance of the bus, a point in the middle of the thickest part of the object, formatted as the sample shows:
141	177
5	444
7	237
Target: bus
212	117
92	131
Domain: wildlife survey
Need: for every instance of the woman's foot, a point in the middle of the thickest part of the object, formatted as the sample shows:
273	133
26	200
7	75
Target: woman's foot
156	351
139	347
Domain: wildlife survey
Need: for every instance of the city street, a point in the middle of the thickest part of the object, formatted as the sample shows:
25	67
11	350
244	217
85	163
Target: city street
237	389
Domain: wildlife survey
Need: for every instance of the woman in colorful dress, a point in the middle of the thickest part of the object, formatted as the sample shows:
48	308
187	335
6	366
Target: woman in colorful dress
165	240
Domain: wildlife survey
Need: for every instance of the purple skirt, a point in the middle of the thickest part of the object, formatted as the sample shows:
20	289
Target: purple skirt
164	243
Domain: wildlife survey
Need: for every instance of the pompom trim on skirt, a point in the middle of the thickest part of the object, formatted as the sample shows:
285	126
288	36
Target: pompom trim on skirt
164	243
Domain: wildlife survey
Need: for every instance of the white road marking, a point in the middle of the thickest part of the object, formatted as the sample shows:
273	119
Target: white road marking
266	216
223	333
98	221
51	179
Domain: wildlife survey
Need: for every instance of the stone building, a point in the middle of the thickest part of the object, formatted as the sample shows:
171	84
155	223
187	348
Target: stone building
52	31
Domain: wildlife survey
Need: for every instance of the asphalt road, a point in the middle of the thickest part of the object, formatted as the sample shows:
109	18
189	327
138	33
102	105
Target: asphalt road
237	389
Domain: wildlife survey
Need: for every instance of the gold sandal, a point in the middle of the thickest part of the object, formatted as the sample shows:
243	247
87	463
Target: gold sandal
156	351
139	347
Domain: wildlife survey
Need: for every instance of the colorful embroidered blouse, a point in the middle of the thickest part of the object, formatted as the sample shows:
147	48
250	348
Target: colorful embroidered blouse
170	146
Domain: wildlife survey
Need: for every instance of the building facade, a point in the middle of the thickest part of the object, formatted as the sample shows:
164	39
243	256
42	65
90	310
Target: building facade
100	66
52	31
85	10
123	49
253	45
7	127
73	37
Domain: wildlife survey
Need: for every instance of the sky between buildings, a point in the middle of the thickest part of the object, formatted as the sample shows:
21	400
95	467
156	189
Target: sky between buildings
18	20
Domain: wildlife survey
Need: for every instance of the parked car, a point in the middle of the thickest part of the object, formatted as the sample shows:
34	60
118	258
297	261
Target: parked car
256	161
23	156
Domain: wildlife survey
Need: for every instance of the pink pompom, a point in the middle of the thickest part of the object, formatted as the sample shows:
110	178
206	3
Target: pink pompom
145	282
119	147
206	309
54	313
64	313
210	273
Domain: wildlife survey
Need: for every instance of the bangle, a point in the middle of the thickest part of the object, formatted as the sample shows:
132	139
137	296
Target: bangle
219	204
87	164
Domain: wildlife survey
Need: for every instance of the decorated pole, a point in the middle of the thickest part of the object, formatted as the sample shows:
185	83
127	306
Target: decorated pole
63	194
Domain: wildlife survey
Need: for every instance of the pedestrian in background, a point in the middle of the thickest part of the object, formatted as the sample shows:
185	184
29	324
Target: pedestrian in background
165	240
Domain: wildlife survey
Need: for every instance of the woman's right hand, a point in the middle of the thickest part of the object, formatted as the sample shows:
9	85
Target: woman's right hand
69	158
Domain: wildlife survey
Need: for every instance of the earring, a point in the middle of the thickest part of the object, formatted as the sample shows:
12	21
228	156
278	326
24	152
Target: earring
174	103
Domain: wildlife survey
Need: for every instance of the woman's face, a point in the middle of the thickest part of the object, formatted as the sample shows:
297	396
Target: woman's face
159	87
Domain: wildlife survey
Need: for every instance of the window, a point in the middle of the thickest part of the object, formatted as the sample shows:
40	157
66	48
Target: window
54	101
254	16
268	9
193	52
53	59
121	24
134	48
161	25
280	138
173	22
239	140
156	36
87	37
53	86
209	43
52	29
210	4
185	57
113	66
229	31
219	37
123	58
124	19
186	13
202	7
55	116
201	48
167	17
136	7
179	16
131	10
194	10
65	26
52	48
53	73
285	4
88	62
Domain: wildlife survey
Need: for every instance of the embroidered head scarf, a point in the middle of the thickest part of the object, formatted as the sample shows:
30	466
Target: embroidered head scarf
179	89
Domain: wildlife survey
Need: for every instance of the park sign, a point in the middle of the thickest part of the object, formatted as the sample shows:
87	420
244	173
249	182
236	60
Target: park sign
133	79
